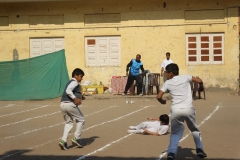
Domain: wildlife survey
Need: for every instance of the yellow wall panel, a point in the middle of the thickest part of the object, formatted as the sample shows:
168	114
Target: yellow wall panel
150	28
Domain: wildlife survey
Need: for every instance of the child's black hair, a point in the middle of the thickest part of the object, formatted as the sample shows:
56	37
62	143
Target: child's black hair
77	72
172	67
164	118
168	53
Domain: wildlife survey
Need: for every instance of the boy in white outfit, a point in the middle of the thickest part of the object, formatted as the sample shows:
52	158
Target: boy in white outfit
181	109
71	98
159	127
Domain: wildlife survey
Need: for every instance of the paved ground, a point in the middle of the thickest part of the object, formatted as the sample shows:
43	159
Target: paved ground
31	129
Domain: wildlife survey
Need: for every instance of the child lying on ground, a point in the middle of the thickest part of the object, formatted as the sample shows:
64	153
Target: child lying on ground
159	127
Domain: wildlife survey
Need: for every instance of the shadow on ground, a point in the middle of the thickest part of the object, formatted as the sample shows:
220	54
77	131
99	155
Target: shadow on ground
183	153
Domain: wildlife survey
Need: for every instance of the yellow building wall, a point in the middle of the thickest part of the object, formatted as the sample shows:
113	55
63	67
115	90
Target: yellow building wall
150	28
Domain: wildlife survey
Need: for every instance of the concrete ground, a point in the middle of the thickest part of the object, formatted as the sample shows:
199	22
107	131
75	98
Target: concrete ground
32	129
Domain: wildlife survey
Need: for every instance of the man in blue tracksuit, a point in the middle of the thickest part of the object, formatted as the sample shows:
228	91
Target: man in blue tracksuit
135	65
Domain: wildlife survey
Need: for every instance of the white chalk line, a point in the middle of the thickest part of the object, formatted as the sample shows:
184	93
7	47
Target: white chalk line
83	130
15	105
102	148
28	119
9	105
207	118
116	118
51	126
24	111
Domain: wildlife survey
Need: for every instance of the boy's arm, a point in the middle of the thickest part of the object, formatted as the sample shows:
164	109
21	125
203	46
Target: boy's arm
198	80
127	68
159	97
151	133
77	101
162	71
69	92
154	119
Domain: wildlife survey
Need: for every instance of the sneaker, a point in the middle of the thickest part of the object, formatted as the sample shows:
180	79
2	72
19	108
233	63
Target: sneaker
132	127
77	142
123	94
200	153
63	145
170	156
140	94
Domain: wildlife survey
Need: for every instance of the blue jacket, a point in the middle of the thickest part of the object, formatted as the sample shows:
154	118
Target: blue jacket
135	66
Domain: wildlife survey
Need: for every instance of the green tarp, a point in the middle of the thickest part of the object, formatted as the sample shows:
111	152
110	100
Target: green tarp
42	77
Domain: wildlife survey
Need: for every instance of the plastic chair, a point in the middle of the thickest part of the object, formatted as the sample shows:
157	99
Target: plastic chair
154	80
143	77
198	87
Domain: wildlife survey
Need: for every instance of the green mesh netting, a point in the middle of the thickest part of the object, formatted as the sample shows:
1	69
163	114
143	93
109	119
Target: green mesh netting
41	77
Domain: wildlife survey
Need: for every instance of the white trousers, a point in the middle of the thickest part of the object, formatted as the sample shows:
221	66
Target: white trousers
178	116
71	111
141	126
148	125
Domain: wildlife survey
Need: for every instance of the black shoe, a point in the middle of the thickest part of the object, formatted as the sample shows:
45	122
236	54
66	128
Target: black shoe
170	156
200	153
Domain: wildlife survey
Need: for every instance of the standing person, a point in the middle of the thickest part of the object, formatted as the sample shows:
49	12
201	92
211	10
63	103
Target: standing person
135	65
163	66
157	127
71	98
181	109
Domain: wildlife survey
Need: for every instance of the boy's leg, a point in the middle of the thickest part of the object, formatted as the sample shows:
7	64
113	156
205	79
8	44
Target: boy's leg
68	119
133	127
75	112
141	131
141	125
190	120
177	128
129	83
80	121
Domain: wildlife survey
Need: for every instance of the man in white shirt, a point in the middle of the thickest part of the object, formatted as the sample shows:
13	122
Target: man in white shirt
157	127
166	62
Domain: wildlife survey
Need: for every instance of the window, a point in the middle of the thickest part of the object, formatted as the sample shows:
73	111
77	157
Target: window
102	51
205	48
41	46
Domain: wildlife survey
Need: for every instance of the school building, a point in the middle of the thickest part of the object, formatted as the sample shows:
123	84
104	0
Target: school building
102	36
